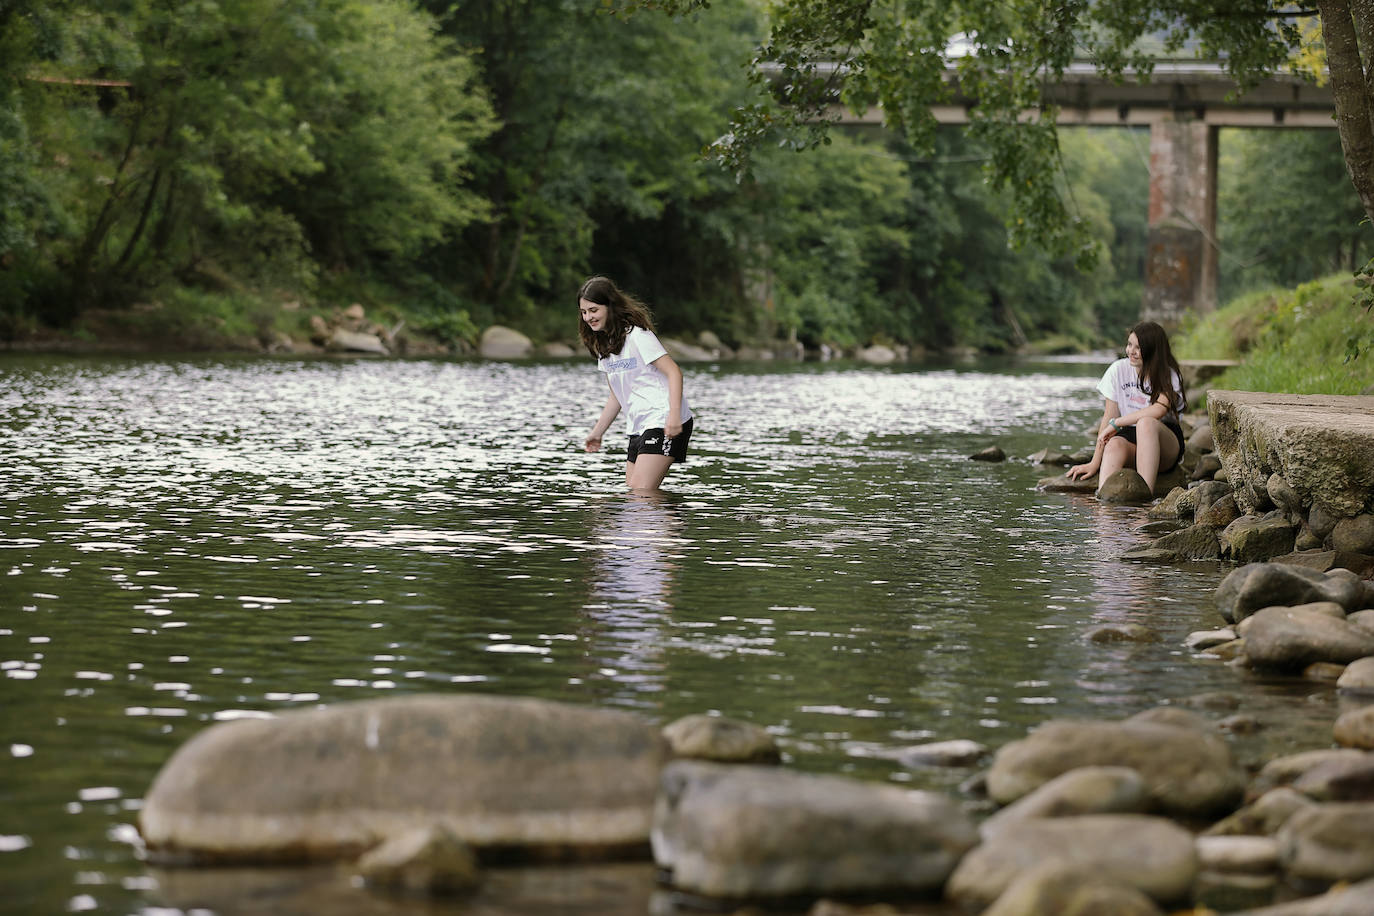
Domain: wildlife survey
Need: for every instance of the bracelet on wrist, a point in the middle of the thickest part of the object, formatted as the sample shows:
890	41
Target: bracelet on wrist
1112	422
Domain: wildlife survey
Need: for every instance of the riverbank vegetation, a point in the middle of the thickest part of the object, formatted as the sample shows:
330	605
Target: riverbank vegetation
213	175
1298	341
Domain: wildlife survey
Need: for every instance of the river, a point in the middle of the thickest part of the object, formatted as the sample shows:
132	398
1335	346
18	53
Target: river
190	540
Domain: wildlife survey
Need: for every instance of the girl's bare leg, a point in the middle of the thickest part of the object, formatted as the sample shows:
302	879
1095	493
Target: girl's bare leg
1117	454
1155	446
647	471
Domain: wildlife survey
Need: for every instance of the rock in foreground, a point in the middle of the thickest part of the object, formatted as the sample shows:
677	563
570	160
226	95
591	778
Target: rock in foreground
1186	772
749	831
529	775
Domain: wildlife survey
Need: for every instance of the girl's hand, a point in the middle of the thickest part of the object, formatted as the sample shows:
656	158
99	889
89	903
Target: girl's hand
593	443
1082	471
672	427
1105	433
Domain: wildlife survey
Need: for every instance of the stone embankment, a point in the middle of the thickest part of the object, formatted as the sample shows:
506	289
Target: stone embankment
1264	477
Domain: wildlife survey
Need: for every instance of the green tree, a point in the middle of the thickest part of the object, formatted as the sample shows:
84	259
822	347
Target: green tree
227	141
893	54
1271	183
602	122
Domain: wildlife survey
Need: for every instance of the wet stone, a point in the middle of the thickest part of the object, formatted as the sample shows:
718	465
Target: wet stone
1355	729
1085	790
1070	890
1329	842
1206	639
760	832
1253	854
426	860
957	753
702	737
1357	677
1256	585
1153	855
1120	632
1346	779
991	453
1125	486
1264	816
1186	771
1323	672
1284	771
1289	639
534	775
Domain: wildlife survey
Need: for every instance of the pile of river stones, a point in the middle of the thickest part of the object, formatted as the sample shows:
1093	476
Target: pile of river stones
423	793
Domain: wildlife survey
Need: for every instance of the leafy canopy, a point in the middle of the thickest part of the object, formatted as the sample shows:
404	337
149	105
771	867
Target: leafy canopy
900	54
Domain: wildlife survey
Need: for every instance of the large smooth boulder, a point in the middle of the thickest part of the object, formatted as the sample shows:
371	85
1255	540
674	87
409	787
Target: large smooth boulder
1329	843
1124	486
330	783
499	342
1151	854
1186	772
760	832
1290	638
1257	585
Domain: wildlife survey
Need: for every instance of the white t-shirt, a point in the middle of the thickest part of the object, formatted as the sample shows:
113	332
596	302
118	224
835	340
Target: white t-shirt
640	387
1121	383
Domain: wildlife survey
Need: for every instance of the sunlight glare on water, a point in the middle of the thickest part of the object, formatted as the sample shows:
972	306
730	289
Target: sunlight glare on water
191	541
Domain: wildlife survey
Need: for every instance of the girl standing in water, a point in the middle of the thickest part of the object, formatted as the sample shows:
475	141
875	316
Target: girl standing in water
645	382
1144	396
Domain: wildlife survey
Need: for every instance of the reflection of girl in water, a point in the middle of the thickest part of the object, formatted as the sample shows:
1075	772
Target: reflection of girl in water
1144	396
645	382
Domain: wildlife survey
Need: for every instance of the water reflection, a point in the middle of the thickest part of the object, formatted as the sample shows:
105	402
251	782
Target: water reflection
638	539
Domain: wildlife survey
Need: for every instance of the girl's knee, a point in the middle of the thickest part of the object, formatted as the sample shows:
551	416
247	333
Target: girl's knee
1118	446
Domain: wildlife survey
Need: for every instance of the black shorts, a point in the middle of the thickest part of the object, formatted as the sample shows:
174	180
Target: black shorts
1128	433
653	442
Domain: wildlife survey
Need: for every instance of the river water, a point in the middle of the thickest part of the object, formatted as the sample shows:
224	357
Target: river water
185	541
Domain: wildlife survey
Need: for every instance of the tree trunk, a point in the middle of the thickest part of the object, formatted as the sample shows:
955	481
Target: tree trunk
1346	28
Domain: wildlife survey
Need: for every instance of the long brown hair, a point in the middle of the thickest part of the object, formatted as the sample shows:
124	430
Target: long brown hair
1158	368
623	312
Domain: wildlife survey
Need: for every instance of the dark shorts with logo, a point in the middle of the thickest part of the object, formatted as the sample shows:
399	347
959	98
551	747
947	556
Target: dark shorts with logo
653	442
1128	433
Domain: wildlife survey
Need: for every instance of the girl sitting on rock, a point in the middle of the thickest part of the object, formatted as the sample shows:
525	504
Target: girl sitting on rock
1144	396
644	381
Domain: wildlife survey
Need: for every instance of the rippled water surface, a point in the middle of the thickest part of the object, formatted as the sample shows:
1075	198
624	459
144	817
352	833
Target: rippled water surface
186	541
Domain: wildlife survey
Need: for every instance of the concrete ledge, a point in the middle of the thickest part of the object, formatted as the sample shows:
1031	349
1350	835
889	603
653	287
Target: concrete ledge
1322	445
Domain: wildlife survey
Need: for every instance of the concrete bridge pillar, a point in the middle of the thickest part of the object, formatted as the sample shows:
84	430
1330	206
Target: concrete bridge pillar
1181	251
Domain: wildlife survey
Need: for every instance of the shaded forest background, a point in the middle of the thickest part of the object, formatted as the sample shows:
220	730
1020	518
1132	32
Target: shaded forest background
454	165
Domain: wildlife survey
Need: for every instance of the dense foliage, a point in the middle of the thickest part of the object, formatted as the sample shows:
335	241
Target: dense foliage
458	164
1290	340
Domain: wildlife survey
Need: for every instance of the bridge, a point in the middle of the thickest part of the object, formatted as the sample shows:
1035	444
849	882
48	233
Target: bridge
1184	103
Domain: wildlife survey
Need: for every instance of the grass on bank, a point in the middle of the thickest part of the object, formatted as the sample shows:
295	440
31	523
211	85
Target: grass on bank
1295	341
